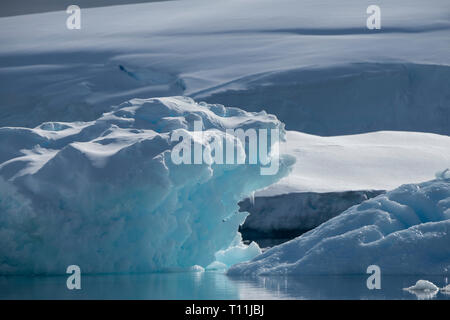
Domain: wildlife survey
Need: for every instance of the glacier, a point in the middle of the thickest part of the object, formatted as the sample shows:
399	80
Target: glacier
405	231
105	194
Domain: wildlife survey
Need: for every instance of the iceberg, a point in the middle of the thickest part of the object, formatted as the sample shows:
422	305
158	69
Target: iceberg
105	194
236	253
423	289
405	231
423	285
446	289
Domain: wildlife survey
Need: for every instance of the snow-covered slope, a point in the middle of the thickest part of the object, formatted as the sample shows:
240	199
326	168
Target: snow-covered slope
405	231
107	196
313	63
349	99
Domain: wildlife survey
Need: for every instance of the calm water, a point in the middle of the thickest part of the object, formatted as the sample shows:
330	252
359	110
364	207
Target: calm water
211	285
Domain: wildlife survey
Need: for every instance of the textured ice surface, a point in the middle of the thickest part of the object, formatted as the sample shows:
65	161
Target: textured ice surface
106	196
405	231
423	285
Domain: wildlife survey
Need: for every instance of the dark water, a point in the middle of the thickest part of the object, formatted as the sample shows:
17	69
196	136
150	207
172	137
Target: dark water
212	285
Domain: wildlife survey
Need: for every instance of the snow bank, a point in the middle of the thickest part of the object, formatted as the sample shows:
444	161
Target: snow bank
380	160
106	196
405	231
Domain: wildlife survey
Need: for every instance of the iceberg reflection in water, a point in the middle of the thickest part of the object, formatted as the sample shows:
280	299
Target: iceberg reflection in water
211	285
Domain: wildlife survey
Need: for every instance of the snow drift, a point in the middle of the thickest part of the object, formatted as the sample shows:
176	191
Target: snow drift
405	231
106	196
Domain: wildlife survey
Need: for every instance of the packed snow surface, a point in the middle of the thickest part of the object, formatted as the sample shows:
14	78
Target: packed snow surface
372	161
105	194
405	231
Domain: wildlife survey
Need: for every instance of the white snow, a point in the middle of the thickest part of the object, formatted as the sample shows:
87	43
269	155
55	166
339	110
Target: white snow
370	161
405	231
106	195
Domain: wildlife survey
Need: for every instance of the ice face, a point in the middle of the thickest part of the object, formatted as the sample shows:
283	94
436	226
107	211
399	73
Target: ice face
105	194
405	231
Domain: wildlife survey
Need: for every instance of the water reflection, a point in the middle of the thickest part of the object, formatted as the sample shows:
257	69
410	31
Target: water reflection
343	287
424	295
212	285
